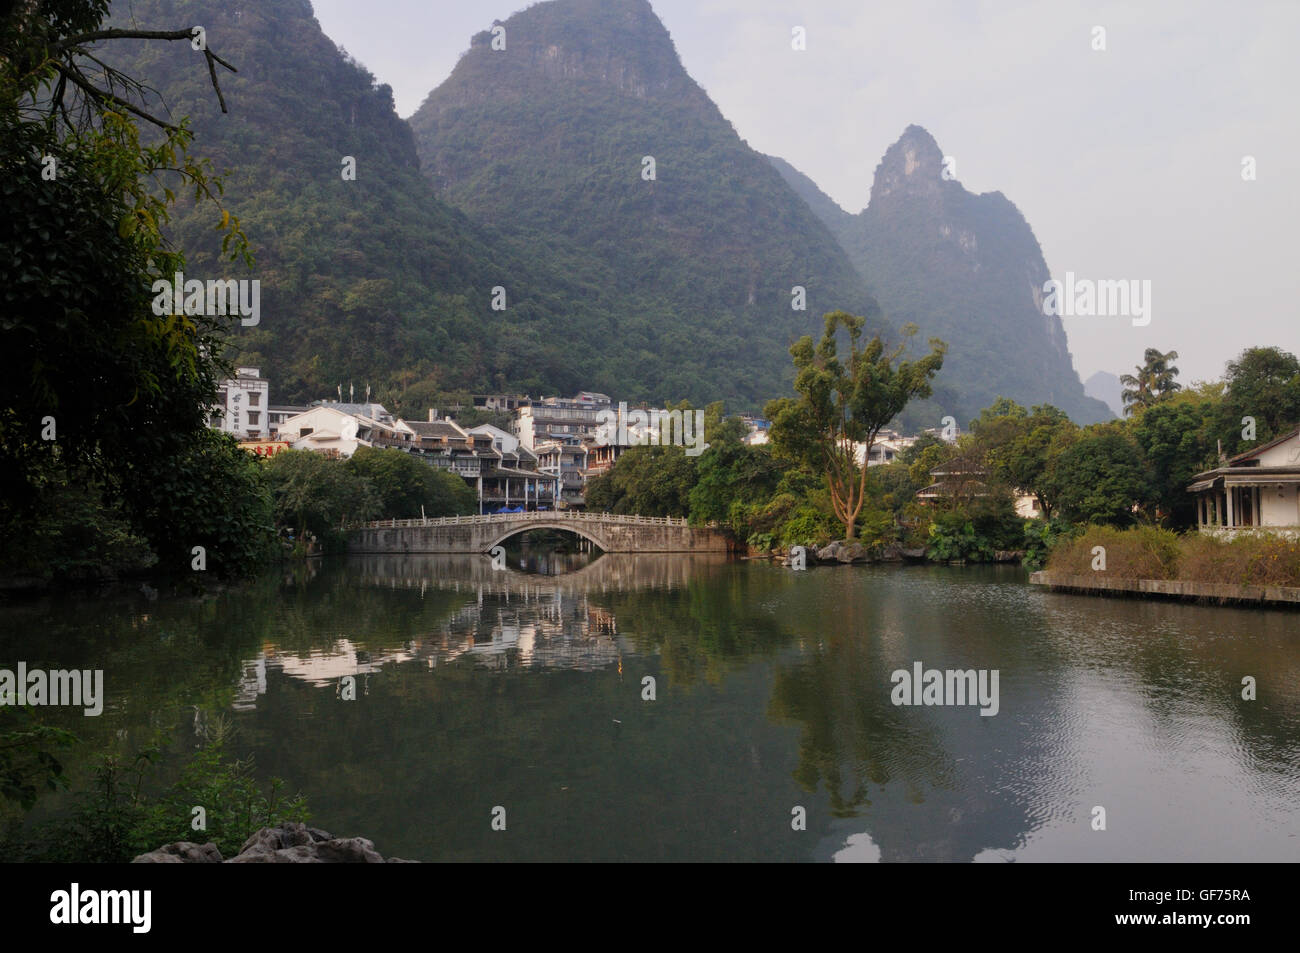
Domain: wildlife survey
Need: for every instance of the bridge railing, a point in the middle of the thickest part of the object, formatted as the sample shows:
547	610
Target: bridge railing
560	516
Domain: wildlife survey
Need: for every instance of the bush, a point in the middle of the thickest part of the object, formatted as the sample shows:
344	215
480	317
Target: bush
953	537
1143	552
1247	560
974	534
116	820
1041	536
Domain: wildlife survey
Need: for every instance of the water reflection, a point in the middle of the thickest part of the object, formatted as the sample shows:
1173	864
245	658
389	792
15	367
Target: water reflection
478	687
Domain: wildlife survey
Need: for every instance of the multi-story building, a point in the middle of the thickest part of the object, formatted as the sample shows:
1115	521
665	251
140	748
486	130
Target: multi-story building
566	463
242	405
560	418
502	472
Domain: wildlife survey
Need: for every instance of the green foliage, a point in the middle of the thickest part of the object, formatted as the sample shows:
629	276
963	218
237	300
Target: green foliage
1023	449
1102	477
28	762
975	533
69	529
953	537
407	487
649	481
312	493
1153	382
727	474
213	495
104	403
233	799
1041	536
844	403
1176	441
808	526
117	819
1264	383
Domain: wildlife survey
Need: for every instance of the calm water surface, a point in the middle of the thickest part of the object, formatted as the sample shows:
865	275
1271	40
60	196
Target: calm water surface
524	690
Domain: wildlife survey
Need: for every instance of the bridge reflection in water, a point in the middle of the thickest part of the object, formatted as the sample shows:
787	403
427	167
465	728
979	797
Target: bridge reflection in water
503	620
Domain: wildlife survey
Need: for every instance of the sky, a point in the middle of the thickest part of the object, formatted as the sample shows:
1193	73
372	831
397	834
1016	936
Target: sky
1126	161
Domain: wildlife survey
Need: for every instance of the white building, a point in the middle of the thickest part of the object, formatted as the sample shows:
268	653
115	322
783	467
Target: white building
886	448
502	441
1256	491
560	418
341	428
242	405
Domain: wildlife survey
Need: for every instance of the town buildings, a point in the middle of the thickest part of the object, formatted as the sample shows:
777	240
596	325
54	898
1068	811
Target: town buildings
557	418
242	405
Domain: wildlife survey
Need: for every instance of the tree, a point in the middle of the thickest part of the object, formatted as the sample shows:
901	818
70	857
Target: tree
730	471
1153	381
408	487
844	404
1024	460
95	386
313	493
647	481
1102	477
1262	383
1176	440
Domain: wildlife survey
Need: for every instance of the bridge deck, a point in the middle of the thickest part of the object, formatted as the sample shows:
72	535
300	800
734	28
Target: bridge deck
478	534
547	516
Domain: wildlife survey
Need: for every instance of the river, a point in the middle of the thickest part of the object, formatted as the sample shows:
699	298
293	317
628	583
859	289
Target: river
772	733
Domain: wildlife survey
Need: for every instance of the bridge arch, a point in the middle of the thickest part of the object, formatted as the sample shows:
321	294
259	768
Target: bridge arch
576	527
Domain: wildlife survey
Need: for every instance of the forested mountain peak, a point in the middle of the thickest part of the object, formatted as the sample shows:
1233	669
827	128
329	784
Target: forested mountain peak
365	275
617	43
573	130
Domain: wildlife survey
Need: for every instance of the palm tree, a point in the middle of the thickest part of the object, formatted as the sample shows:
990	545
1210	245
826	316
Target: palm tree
1154	380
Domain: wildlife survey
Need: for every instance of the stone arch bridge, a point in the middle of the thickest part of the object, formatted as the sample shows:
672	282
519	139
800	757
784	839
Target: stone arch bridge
478	534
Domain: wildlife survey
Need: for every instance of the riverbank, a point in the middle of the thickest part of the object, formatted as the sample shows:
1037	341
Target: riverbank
1220	593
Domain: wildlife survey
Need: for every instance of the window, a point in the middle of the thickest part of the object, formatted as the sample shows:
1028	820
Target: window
254	399
253	416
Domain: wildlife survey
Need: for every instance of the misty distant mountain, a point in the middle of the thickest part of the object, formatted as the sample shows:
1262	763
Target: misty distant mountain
1106	387
961	266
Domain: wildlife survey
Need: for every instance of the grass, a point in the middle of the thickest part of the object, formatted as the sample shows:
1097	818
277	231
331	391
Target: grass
1149	553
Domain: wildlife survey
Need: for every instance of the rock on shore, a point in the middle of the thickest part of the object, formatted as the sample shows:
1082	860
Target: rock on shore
293	843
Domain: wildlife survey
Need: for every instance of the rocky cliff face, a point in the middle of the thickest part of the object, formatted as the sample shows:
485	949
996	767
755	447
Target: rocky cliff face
966	268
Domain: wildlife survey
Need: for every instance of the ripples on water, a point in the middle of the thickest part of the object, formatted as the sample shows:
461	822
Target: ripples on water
772	691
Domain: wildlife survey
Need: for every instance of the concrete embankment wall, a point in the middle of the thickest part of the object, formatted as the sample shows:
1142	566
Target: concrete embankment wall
1170	588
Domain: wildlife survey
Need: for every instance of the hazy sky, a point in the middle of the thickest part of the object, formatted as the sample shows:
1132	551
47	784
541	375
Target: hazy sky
1127	163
